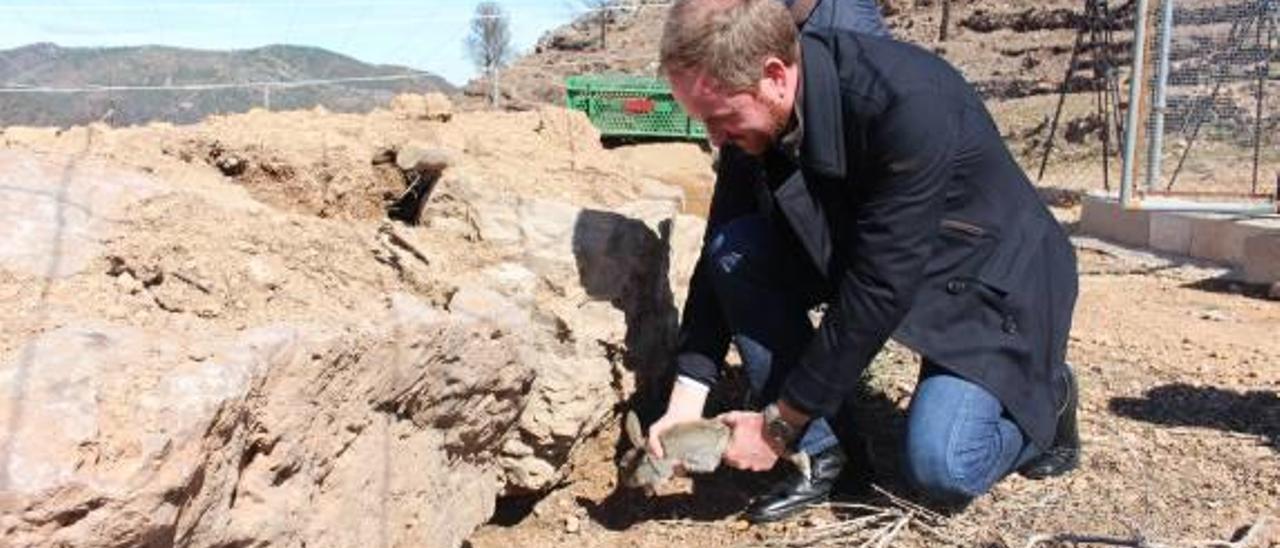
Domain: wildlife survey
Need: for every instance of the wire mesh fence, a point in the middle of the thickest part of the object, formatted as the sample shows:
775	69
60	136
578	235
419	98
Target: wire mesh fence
1212	98
1157	97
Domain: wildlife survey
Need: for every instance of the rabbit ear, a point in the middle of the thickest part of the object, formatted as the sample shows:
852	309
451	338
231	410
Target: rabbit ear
634	433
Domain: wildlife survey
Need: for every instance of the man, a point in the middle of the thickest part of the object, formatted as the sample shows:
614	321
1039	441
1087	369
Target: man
865	174
855	15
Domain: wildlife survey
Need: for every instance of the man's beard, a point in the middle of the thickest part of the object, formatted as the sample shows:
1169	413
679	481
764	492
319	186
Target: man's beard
779	122
780	116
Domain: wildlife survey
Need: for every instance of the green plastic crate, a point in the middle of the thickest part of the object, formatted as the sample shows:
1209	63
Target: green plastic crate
631	106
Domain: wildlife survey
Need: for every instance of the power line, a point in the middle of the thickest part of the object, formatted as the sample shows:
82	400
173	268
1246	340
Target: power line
295	83
229	85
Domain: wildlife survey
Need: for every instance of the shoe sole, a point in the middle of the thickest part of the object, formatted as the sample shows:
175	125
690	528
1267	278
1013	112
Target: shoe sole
1060	470
758	520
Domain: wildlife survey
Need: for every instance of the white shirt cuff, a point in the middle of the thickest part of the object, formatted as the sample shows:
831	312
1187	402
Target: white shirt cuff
692	383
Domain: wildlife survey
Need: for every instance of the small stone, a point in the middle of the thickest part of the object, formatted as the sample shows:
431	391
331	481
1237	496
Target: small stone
423	159
1274	292
572	524
741	525
128	284
231	166
261	274
383	156
517	448
1214	316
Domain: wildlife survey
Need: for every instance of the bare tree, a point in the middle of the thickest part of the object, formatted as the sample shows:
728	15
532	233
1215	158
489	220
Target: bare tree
599	11
489	43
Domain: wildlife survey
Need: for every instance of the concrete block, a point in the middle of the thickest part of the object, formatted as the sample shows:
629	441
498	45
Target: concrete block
1171	232
1222	237
1104	218
1262	258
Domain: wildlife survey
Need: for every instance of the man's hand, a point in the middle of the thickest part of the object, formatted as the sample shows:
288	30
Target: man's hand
685	406
748	448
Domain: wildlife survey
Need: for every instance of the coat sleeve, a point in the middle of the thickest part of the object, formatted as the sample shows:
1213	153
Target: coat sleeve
887	240
704	334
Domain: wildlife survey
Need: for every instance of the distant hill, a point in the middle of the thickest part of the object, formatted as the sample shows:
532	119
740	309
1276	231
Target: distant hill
48	65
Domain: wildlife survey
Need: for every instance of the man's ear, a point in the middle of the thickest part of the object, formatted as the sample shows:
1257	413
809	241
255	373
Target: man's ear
773	80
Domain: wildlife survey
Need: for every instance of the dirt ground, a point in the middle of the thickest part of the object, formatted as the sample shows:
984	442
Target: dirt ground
1180	416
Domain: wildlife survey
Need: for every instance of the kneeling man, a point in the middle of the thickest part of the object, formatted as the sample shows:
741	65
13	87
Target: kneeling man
865	175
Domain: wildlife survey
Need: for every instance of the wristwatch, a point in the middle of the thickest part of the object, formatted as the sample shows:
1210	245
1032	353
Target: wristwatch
778	431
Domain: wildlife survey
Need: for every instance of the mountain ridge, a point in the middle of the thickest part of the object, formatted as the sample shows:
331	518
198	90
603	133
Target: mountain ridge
48	65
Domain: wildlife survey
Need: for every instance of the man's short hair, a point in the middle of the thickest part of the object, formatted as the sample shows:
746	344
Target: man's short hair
728	39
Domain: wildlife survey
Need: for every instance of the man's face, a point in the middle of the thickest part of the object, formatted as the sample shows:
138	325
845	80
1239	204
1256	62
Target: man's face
753	119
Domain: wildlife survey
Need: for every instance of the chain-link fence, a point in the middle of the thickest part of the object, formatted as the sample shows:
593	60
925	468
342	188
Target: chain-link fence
1202	121
1211	103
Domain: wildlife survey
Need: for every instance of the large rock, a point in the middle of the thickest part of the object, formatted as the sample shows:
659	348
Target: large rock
285	436
430	106
613	328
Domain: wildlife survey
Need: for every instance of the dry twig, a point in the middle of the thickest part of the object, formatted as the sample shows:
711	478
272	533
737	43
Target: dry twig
887	535
1245	541
911	506
1037	540
870	526
1256	530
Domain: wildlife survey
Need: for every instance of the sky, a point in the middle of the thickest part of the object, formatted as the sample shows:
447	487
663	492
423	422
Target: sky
423	34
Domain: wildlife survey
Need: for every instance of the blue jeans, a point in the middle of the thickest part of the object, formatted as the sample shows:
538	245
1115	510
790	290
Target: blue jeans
959	441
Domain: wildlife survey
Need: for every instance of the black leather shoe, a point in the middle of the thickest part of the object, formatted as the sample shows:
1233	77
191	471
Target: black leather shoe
1064	455
795	492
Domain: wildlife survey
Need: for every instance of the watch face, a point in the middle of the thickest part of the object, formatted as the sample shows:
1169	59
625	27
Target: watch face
780	431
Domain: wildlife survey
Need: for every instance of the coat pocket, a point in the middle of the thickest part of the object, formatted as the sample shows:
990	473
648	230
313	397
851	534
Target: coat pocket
1005	269
960	249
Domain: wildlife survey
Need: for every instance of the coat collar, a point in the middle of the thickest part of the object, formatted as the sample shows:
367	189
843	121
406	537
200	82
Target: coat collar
823	147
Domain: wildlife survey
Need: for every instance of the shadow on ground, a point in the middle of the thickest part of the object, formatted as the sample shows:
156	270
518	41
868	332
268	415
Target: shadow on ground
1231	285
713	498
1256	412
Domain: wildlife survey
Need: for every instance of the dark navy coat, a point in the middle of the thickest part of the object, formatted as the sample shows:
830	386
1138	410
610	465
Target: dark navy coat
908	202
855	15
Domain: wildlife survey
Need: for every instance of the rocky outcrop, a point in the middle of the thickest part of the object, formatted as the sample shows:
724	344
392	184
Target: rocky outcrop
186	363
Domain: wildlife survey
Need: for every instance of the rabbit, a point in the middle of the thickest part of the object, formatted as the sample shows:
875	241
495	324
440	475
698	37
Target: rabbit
696	446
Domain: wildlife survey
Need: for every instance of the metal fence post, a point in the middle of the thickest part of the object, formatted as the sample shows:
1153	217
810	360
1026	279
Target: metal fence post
1132	119
1155	141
